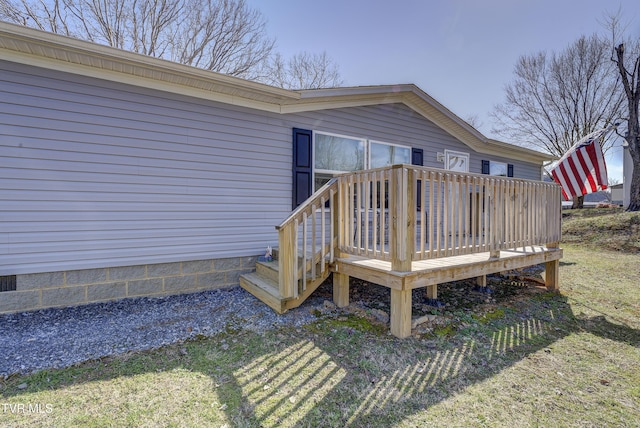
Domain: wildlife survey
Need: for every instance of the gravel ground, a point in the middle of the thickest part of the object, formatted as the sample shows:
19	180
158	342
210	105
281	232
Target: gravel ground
61	337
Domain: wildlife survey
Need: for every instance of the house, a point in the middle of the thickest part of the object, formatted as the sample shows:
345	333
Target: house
124	175
617	194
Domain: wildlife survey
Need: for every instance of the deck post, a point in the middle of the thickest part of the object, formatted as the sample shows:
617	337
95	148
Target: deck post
401	313
552	271
481	281
287	261
340	289
432	292
403	212
402	207
552	275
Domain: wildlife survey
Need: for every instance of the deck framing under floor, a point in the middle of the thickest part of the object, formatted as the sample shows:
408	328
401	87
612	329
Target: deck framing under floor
430	273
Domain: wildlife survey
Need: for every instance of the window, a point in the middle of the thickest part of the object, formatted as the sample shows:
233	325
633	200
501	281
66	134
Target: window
499	169
335	154
383	154
340	154
456	161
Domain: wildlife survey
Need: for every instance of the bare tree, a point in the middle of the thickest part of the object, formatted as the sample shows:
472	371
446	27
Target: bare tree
44	15
475	121
303	71
557	99
224	35
630	76
626	57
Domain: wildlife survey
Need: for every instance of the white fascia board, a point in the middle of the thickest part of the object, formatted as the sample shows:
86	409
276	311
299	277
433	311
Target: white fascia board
356	91
500	148
53	51
408	94
137	81
326	103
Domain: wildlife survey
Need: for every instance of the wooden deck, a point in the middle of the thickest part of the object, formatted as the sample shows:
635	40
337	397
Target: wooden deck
369	225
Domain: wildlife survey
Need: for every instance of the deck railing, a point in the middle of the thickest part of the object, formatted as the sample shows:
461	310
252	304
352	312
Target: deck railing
404	213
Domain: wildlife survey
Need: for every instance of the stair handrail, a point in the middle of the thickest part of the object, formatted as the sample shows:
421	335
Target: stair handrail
323	191
288	234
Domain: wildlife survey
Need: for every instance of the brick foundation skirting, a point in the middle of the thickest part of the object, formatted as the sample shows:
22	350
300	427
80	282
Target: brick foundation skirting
75	287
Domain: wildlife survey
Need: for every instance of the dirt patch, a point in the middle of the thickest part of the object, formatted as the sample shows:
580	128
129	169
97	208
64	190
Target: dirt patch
458	301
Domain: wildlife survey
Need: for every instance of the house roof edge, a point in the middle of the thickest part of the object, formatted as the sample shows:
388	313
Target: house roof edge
48	50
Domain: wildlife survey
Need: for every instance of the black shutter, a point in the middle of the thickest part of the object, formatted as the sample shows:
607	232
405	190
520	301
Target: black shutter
509	170
302	166
485	167
417	158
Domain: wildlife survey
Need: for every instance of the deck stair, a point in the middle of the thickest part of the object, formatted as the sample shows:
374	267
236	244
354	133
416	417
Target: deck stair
263	283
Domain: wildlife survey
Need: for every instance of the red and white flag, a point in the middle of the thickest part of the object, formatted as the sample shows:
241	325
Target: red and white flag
582	169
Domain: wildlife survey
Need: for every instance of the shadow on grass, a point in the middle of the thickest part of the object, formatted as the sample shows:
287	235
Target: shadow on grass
341	371
602	327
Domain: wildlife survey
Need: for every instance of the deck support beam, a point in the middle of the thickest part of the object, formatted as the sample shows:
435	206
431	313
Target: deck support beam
481	281
400	313
432	292
340	289
430	273
552	275
552	271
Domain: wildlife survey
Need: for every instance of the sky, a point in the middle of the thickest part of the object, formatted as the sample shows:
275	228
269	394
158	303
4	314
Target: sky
461	52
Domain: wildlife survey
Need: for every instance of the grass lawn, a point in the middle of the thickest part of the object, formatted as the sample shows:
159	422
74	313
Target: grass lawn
541	359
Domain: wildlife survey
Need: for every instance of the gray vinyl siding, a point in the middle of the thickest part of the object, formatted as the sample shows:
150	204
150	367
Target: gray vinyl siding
96	174
99	174
398	124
